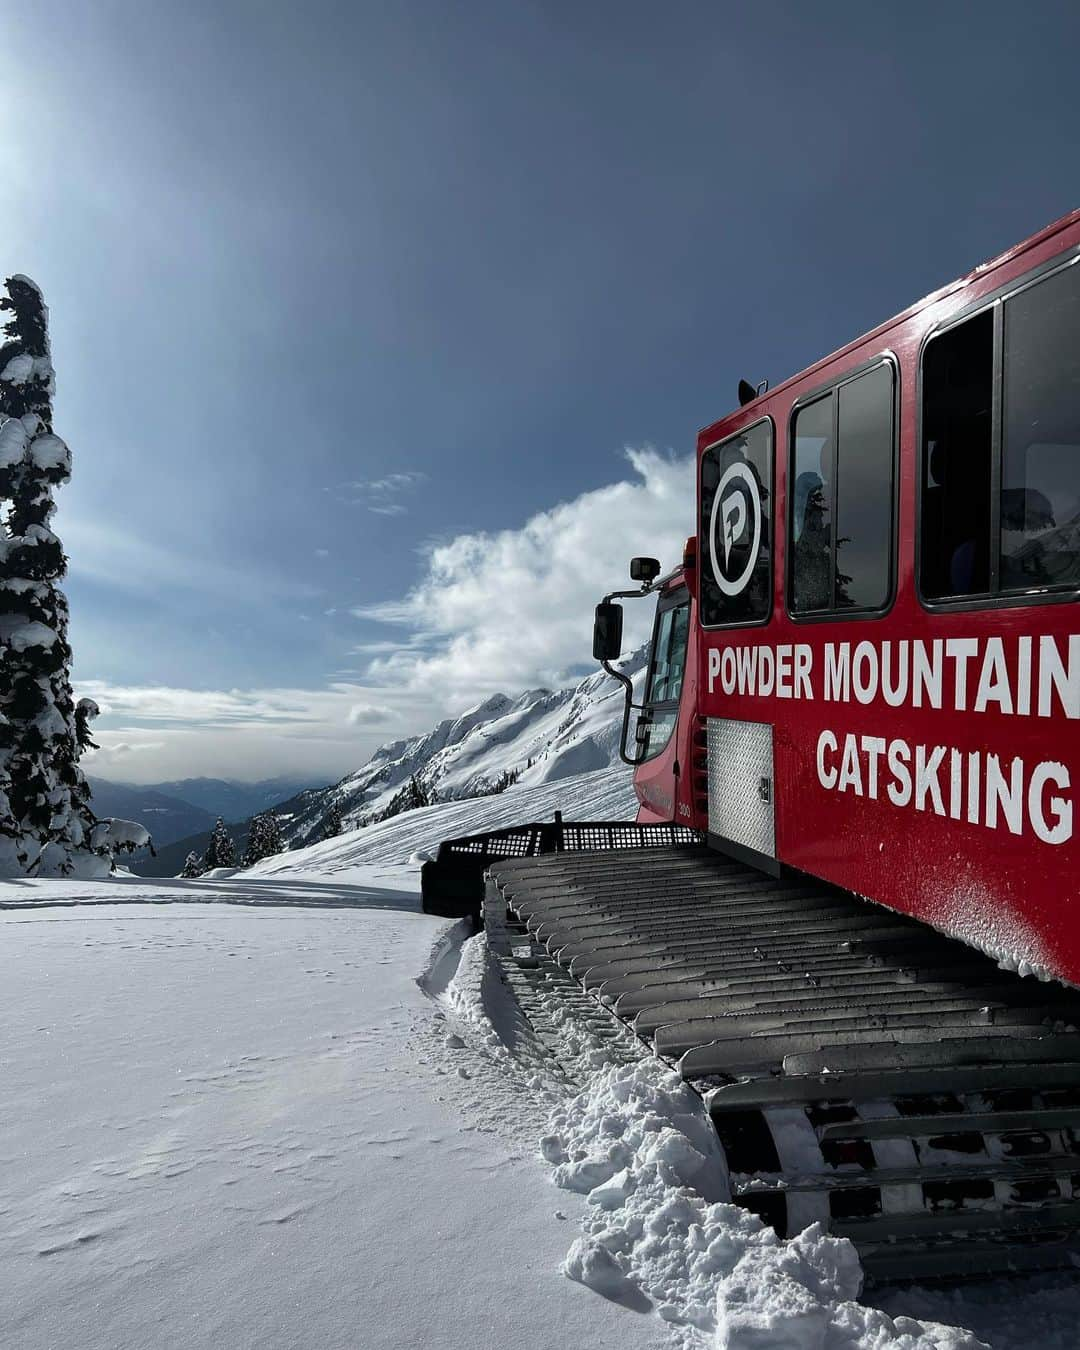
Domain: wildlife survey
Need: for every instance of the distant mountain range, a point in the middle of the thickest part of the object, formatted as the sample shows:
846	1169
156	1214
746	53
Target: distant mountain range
538	737
232	800
188	806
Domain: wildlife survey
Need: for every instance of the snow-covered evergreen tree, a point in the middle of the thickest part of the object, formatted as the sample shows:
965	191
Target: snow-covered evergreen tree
47	827
193	866
413	794
333	824
264	838
220	851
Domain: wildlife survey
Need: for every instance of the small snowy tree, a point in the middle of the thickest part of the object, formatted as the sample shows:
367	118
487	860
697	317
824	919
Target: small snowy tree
264	839
47	827
193	866
220	851
333	824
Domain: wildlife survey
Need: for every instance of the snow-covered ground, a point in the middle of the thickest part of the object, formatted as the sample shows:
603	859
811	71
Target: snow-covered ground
285	1109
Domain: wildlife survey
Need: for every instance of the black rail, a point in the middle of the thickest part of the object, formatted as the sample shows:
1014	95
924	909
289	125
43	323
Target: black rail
452	884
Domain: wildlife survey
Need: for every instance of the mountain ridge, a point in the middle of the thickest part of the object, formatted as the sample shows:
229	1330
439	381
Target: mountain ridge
538	736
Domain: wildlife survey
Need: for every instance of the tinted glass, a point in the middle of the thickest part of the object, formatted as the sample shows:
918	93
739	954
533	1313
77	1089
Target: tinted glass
864	475
812	508
666	671
1040	474
660	729
736	529
669	655
957	460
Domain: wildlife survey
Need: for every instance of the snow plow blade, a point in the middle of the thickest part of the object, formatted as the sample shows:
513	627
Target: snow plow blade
861	1069
452	884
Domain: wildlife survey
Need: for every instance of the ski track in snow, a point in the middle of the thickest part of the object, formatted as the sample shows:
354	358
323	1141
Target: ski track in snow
297	1112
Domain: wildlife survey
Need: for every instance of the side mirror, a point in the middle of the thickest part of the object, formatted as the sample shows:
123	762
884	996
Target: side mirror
645	570
607	631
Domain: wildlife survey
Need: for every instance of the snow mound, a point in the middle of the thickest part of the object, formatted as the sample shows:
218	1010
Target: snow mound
639	1144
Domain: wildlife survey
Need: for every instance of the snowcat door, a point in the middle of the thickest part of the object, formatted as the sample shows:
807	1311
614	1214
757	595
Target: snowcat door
742	810
656	779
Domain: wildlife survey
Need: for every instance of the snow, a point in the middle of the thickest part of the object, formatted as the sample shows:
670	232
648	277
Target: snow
50	452
12	438
225	1136
20	634
604	795
284	1108
19	369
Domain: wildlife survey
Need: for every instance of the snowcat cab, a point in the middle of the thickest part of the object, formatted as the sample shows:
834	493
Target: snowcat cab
663	754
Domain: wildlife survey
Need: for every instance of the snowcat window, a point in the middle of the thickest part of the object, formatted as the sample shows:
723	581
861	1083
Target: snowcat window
736	529
958	398
666	670
1040	469
1001	477
842	476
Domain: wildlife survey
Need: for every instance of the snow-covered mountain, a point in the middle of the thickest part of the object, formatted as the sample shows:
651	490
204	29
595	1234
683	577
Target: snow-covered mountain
538	737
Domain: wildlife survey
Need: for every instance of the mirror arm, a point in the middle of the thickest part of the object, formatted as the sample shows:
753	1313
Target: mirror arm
625	680
629	707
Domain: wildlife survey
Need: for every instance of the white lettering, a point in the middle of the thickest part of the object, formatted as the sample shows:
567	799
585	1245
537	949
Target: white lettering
766	662
849	767
714	666
956	783
826	775
727	671
837	671
746	659
926	674
899	759
974	762
894	694
804	659
994	678
1006	793
1023	677
1054	676
926	778
864	672
1061	808
961	650
783	670
873	748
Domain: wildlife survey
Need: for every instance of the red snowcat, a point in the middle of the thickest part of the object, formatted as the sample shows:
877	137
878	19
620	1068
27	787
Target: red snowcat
849	909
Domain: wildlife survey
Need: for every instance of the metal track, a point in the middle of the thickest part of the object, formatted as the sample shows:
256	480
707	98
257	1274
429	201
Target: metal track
860	1068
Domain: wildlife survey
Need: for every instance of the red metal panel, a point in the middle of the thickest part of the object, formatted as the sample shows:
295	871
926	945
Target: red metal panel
999	870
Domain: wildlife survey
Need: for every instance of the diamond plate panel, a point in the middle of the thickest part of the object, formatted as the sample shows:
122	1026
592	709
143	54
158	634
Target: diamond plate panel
741	806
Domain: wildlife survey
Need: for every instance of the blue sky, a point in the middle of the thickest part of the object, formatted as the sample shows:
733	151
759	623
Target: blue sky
356	309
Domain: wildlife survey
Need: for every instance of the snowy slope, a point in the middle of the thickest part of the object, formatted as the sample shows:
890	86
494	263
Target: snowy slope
543	735
606	794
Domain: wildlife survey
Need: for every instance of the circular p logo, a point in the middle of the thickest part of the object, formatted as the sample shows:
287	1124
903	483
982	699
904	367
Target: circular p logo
735	528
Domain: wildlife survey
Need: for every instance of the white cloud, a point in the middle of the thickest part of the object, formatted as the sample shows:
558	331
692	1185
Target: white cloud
499	611
368	714
380	495
149	733
513	608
